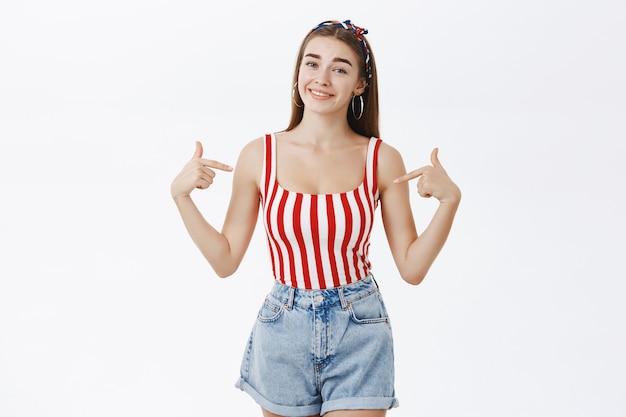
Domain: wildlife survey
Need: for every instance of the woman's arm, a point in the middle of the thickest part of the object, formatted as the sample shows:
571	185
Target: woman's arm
223	250
414	255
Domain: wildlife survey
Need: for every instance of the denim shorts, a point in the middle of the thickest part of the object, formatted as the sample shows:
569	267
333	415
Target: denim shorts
315	351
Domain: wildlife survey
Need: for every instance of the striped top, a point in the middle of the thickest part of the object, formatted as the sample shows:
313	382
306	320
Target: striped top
318	241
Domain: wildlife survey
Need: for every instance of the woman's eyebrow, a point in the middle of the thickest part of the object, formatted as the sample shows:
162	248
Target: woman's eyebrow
316	56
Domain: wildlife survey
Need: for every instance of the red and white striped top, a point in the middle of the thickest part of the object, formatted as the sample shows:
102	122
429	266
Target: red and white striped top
318	241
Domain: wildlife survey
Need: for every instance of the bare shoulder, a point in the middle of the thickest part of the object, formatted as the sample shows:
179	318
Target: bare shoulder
388	152
390	164
250	161
252	148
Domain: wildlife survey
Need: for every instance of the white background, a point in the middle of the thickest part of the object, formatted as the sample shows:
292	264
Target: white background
108	309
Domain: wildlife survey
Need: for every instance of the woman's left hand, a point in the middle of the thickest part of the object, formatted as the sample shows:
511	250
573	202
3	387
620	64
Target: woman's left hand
433	181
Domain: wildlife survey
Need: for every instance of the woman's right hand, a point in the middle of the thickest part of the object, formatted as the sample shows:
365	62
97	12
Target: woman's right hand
197	173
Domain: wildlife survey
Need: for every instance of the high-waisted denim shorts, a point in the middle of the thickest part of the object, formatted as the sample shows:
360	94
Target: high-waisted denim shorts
315	351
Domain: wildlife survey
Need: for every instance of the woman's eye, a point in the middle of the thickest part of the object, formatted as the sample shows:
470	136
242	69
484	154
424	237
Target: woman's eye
310	64
341	70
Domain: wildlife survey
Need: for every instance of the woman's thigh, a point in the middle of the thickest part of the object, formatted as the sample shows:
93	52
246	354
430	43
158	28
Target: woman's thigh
341	413
268	414
356	413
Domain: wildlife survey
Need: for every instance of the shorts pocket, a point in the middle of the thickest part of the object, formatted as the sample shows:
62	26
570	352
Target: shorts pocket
368	310
270	311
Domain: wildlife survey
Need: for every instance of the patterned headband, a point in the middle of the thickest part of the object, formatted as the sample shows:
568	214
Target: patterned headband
358	32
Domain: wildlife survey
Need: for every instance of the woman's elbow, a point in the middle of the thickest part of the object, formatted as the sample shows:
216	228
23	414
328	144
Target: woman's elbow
222	269
223	274
413	276
413	279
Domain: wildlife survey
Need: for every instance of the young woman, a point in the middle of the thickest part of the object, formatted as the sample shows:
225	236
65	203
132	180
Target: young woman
322	343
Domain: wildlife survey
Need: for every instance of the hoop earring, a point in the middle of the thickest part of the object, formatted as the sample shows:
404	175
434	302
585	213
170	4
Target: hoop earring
361	107
293	95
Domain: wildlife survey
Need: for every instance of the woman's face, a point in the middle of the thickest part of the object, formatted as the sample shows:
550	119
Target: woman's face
329	75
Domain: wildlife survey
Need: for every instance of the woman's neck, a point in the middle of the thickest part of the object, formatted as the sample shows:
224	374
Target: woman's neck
324	130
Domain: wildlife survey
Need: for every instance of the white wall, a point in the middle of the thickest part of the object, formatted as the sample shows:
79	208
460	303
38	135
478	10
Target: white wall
107	308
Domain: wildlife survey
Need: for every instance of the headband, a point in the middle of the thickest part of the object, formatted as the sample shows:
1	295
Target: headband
358	32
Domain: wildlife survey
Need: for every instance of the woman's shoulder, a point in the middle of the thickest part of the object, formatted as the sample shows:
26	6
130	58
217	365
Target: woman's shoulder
254	146
251	156
388	154
390	164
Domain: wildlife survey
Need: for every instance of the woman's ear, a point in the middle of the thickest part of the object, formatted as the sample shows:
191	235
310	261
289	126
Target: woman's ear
360	87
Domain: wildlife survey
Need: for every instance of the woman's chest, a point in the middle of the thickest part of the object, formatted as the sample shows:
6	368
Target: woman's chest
321	172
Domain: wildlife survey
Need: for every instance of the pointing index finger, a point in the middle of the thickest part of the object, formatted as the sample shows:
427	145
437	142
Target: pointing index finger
409	176
216	164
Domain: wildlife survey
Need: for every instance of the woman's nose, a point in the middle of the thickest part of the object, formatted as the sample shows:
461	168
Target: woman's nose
322	77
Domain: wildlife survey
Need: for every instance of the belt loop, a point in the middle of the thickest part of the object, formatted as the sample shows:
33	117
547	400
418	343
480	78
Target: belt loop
371	275
344	303
292	293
